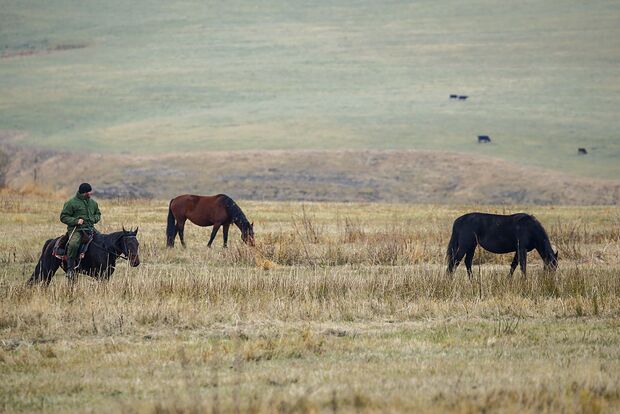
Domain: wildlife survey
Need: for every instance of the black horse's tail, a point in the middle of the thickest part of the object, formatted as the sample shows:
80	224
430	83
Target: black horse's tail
39	273
453	247
171	228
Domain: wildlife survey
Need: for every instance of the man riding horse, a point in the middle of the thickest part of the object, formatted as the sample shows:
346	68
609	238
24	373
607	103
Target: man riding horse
80	214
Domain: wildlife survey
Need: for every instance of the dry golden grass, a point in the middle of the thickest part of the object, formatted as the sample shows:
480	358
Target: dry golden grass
320	175
342	308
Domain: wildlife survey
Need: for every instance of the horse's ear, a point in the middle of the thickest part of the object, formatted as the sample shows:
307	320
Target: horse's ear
124	229
136	232
252	224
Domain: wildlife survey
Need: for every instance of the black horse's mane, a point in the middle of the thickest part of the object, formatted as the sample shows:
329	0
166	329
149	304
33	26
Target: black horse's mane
539	226
234	211
111	239
540	229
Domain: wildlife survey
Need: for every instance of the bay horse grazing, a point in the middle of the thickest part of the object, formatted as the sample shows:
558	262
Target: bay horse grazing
519	233
217	211
99	260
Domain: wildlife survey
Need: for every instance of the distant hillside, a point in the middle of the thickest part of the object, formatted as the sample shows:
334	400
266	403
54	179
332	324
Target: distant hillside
395	176
155	76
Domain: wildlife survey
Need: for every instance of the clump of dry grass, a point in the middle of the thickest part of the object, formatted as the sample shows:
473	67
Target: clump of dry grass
353	231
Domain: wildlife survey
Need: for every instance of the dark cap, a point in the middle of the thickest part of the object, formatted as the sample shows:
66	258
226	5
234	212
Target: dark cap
85	188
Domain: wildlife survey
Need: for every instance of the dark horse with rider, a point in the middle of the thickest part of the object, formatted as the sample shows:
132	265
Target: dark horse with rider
83	249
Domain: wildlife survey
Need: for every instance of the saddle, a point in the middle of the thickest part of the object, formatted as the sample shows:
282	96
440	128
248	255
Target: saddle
59	251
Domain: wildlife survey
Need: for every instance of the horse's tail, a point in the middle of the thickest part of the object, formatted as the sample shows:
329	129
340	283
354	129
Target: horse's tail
39	273
171	228
453	247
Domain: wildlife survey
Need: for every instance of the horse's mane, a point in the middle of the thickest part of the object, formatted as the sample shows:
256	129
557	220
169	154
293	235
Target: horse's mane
548	248
234	211
539	225
110	239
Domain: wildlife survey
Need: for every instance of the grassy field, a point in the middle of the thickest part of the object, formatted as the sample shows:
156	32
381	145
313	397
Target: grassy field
341	308
155	76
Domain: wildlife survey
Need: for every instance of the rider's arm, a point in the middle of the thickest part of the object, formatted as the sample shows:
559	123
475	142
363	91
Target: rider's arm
66	215
97	215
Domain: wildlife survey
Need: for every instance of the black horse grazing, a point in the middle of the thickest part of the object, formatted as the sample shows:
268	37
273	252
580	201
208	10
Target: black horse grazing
99	260
519	233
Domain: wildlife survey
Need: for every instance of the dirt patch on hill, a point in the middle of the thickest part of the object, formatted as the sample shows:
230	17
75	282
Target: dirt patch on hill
394	176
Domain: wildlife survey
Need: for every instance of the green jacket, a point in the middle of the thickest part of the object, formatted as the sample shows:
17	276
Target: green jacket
80	207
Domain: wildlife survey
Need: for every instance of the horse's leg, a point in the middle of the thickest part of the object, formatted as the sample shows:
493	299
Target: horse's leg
225	228
523	261
216	227
107	273
513	265
181	231
469	258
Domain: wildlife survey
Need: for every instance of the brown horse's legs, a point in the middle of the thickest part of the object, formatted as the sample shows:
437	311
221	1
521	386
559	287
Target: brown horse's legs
225	228
216	227
513	265
181	231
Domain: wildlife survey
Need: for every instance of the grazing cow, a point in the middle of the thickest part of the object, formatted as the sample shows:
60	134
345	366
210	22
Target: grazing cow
582	151
454	96
462	97
484	139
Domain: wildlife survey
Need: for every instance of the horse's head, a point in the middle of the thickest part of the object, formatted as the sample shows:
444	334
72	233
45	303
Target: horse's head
551	260
129	245
247	233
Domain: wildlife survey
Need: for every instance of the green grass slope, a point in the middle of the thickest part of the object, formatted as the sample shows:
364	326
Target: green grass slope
156	76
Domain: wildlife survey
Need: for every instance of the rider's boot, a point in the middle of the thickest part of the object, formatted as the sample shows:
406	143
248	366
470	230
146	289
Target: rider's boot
71	269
